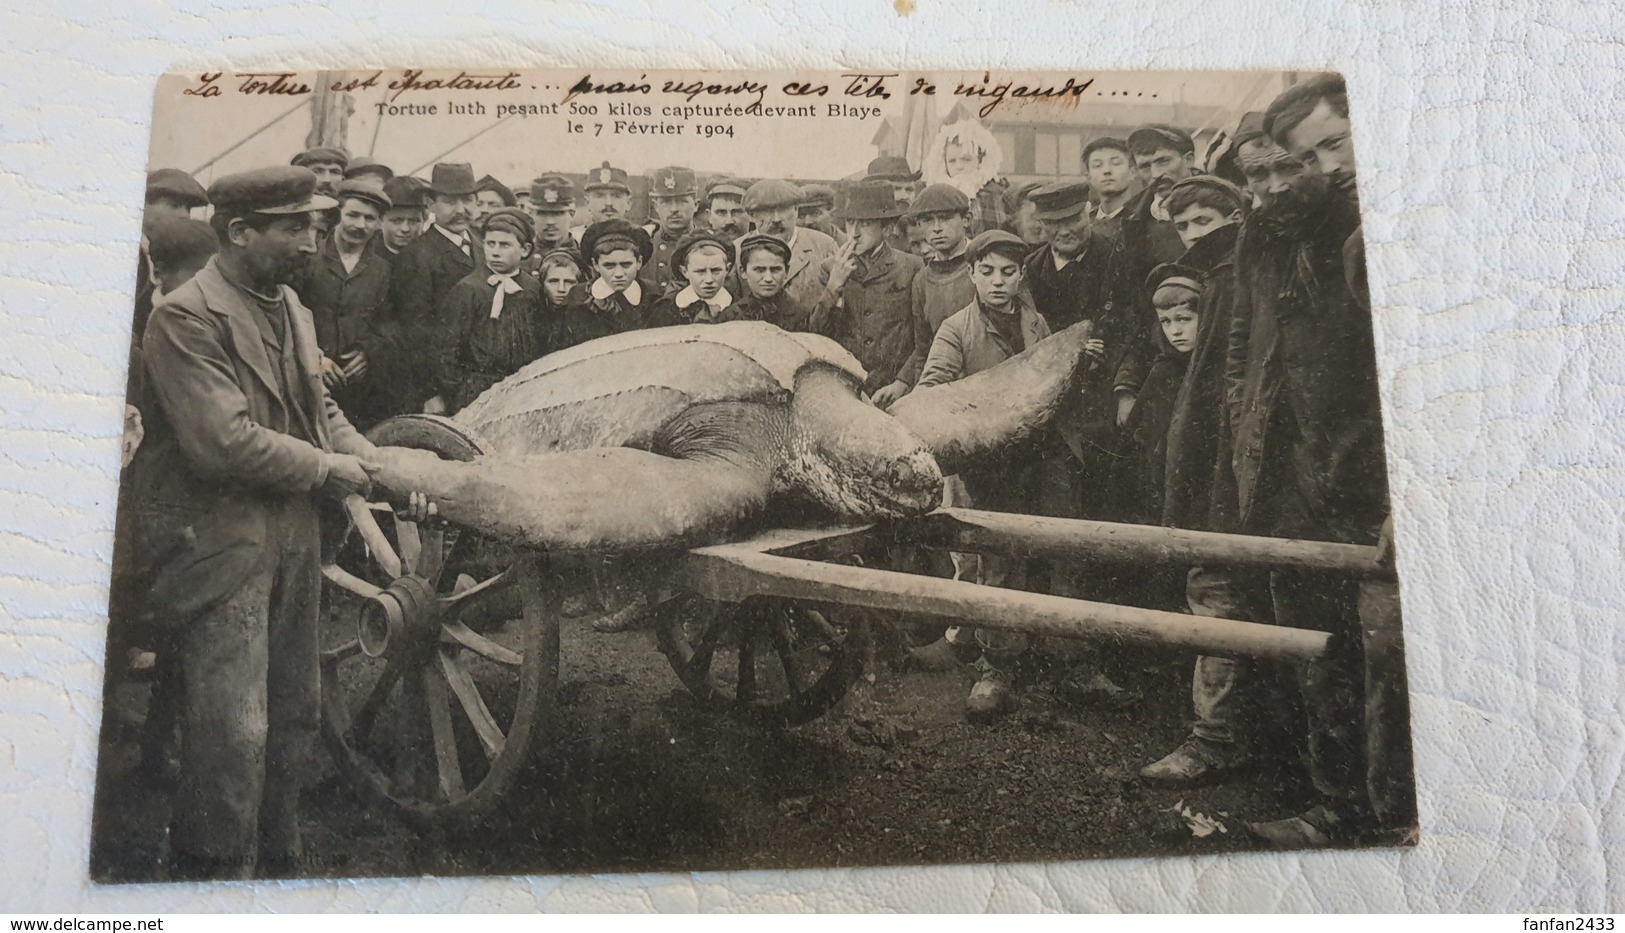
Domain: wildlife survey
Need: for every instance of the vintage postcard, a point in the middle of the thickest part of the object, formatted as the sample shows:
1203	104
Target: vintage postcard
587	471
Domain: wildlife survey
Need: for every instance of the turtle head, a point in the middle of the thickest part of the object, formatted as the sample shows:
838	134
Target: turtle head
853	458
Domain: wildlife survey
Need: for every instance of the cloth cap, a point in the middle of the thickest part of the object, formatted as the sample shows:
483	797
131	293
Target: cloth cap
727	187
616	234
890	168
818	195
1173	273
489	183
276	189
1106	142
552	192
367	188
1249	127
939	198
1154	136
1002	242
607	177
406	191
755	241
673	181
453	178
174	240
174	183
692	241
321	155
770	193
1212	183
1060	200
871	200
513	220
364	166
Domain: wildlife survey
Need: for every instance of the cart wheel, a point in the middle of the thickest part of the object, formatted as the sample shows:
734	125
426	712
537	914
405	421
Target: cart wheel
440	652
772	661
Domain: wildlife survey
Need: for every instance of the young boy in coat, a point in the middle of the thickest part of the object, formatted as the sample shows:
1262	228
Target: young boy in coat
497	318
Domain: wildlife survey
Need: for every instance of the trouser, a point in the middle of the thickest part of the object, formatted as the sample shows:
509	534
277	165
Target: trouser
998	489
1390	775
1221	687
251	681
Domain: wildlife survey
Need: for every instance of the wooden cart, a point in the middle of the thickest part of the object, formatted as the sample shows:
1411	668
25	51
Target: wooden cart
441	650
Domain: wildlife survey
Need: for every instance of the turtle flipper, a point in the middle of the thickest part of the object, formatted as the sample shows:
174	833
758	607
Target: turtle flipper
961	421
611	498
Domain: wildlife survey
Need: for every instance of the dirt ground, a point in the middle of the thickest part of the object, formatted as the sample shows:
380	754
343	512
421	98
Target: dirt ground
636	776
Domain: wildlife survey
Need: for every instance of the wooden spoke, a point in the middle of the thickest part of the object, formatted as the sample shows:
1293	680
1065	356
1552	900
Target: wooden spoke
346	580
375	701
445	741
455	601
784	647
406	535
458	633
468	695
367	526
433	559
746	691
343	652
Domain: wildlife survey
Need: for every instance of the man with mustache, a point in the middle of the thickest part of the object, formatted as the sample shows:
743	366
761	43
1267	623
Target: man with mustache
241	439
426	270
773	205
1302	405
725	208
671	196
1164	155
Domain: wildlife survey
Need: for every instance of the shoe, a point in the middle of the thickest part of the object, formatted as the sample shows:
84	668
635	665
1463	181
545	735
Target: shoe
990	699
1196	761
1315	828
942	655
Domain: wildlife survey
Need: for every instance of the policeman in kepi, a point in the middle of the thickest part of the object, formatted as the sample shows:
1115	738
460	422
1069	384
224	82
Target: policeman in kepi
671	195
242	439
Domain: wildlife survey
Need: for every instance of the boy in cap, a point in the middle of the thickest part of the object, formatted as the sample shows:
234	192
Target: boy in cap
497	319
241	440
866	304
403	222
616	301
702	265
725	208
425	272
774	205
346	287
671	194
764	262
942	287
996	324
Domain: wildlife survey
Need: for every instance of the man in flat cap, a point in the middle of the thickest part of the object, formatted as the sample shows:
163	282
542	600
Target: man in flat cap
327	164
942	214
866	305
1082	274
608	197
773	205
671	195
242	438
346	288
1163	156
818	212
724	210
361	165
491	195
403	222
427	269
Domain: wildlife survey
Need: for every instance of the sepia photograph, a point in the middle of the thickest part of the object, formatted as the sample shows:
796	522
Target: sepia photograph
536	472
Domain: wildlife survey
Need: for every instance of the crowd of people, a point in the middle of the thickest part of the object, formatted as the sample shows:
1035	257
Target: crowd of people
1229	385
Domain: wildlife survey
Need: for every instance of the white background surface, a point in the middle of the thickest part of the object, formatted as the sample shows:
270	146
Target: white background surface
1491	145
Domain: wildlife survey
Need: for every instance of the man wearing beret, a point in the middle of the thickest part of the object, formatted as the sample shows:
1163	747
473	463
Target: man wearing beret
241	438
866	303
671	194
426	270
346	288
773	205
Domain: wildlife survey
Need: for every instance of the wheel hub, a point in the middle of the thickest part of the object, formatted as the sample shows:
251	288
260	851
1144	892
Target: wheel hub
405	614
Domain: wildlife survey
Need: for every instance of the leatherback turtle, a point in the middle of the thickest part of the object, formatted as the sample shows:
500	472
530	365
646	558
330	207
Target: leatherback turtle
678	436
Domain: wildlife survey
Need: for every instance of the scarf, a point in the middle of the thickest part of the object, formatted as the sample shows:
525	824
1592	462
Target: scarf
505	286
